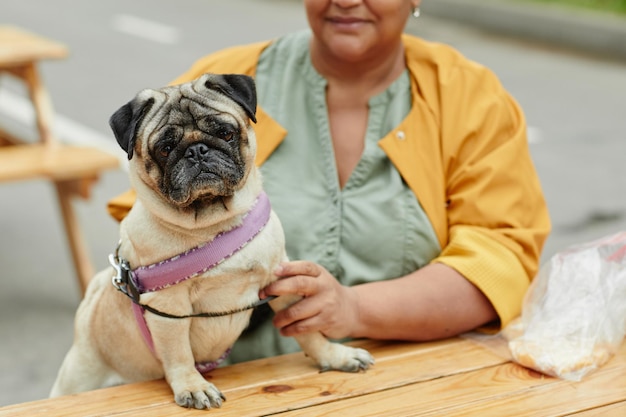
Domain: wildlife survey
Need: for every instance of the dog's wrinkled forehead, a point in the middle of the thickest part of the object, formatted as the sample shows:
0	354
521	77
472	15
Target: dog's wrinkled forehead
183	104
187	103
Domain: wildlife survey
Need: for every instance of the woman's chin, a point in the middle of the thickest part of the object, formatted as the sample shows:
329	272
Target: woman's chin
348	49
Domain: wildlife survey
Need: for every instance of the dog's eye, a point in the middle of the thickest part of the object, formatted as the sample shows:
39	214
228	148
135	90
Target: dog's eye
165	149
225	133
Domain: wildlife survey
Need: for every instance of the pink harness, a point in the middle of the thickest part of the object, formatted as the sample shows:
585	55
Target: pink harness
187	265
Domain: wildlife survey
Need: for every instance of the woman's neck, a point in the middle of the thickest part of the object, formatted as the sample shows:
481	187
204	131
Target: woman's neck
371	74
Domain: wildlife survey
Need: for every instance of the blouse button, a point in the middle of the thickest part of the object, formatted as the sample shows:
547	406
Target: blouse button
400	135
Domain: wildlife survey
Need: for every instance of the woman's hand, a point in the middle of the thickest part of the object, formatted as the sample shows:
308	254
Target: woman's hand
431	303
326	306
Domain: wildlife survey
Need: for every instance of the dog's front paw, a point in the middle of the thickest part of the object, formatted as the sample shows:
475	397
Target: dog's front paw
344	358
205	396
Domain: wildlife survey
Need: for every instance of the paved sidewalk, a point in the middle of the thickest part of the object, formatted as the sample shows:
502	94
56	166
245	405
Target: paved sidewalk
585	30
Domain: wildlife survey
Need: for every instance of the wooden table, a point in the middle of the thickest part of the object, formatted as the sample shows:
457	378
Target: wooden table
447	378
72	169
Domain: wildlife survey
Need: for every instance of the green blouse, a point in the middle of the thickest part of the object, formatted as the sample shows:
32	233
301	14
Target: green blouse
372	229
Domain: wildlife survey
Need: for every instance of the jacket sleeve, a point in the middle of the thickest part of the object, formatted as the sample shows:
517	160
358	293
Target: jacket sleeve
497	215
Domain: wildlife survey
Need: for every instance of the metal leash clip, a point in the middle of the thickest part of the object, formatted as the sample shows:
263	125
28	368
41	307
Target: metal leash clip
122	279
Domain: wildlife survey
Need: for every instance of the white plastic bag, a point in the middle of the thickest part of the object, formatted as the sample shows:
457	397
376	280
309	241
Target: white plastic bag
574	314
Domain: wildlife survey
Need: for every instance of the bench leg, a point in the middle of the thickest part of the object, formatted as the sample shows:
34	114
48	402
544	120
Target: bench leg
41	102
66	190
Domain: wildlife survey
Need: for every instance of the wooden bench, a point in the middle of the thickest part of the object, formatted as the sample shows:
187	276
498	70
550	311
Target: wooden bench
453	377
71	169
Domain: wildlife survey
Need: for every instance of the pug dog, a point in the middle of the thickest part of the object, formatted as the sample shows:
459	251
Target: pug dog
195	249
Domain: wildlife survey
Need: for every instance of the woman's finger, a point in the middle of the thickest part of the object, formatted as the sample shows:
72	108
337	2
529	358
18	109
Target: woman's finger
296	313
302	285
292	268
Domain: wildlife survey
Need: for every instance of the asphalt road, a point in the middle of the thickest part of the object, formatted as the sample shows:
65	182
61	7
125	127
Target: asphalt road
574	105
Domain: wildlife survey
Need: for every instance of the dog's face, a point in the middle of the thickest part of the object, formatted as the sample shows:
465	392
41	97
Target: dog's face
191	142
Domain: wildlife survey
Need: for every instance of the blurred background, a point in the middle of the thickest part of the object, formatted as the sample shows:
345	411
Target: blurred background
565	64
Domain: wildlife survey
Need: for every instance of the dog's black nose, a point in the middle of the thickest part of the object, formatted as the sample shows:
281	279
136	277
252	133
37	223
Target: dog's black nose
197	152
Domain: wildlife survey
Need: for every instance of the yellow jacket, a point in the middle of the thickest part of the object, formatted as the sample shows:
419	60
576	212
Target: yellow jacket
463	151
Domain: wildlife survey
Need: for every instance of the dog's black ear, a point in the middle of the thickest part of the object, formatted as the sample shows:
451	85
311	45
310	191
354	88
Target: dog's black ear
238	87
125	121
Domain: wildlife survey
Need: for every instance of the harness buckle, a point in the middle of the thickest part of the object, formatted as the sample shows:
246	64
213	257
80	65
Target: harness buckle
122	280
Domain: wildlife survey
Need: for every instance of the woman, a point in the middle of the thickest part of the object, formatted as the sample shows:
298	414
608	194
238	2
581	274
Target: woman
402	176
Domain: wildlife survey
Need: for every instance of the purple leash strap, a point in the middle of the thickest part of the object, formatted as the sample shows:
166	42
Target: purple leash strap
202	258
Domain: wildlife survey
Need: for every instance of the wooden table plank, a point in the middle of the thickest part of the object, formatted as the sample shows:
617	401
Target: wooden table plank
453	377
277	384
435	396
508	388
18	46
604	386
57	162
397	366
611	410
